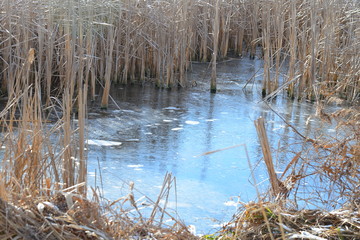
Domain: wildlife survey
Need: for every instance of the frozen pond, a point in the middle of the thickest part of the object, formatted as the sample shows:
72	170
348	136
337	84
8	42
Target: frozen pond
155	131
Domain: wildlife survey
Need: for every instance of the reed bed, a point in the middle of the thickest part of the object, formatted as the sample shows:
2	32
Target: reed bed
310	48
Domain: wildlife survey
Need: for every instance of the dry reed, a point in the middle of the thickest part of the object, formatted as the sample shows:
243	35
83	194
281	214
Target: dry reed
134	41
276	185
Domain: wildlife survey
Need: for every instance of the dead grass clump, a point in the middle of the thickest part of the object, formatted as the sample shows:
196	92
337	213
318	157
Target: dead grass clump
270	221
70	216
41	218
127	216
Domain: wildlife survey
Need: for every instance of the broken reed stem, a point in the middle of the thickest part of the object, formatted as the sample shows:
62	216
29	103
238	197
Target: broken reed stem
260	128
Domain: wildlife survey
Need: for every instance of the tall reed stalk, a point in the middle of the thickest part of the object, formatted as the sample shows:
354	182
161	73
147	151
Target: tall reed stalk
109	57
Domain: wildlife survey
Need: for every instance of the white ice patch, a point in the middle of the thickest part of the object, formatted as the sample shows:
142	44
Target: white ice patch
172	204
176	129
211	120
167	120
231	204
278	127
306	235
128	111
135	166
103	143
220	225
192	122
171	108
340	212
192	229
